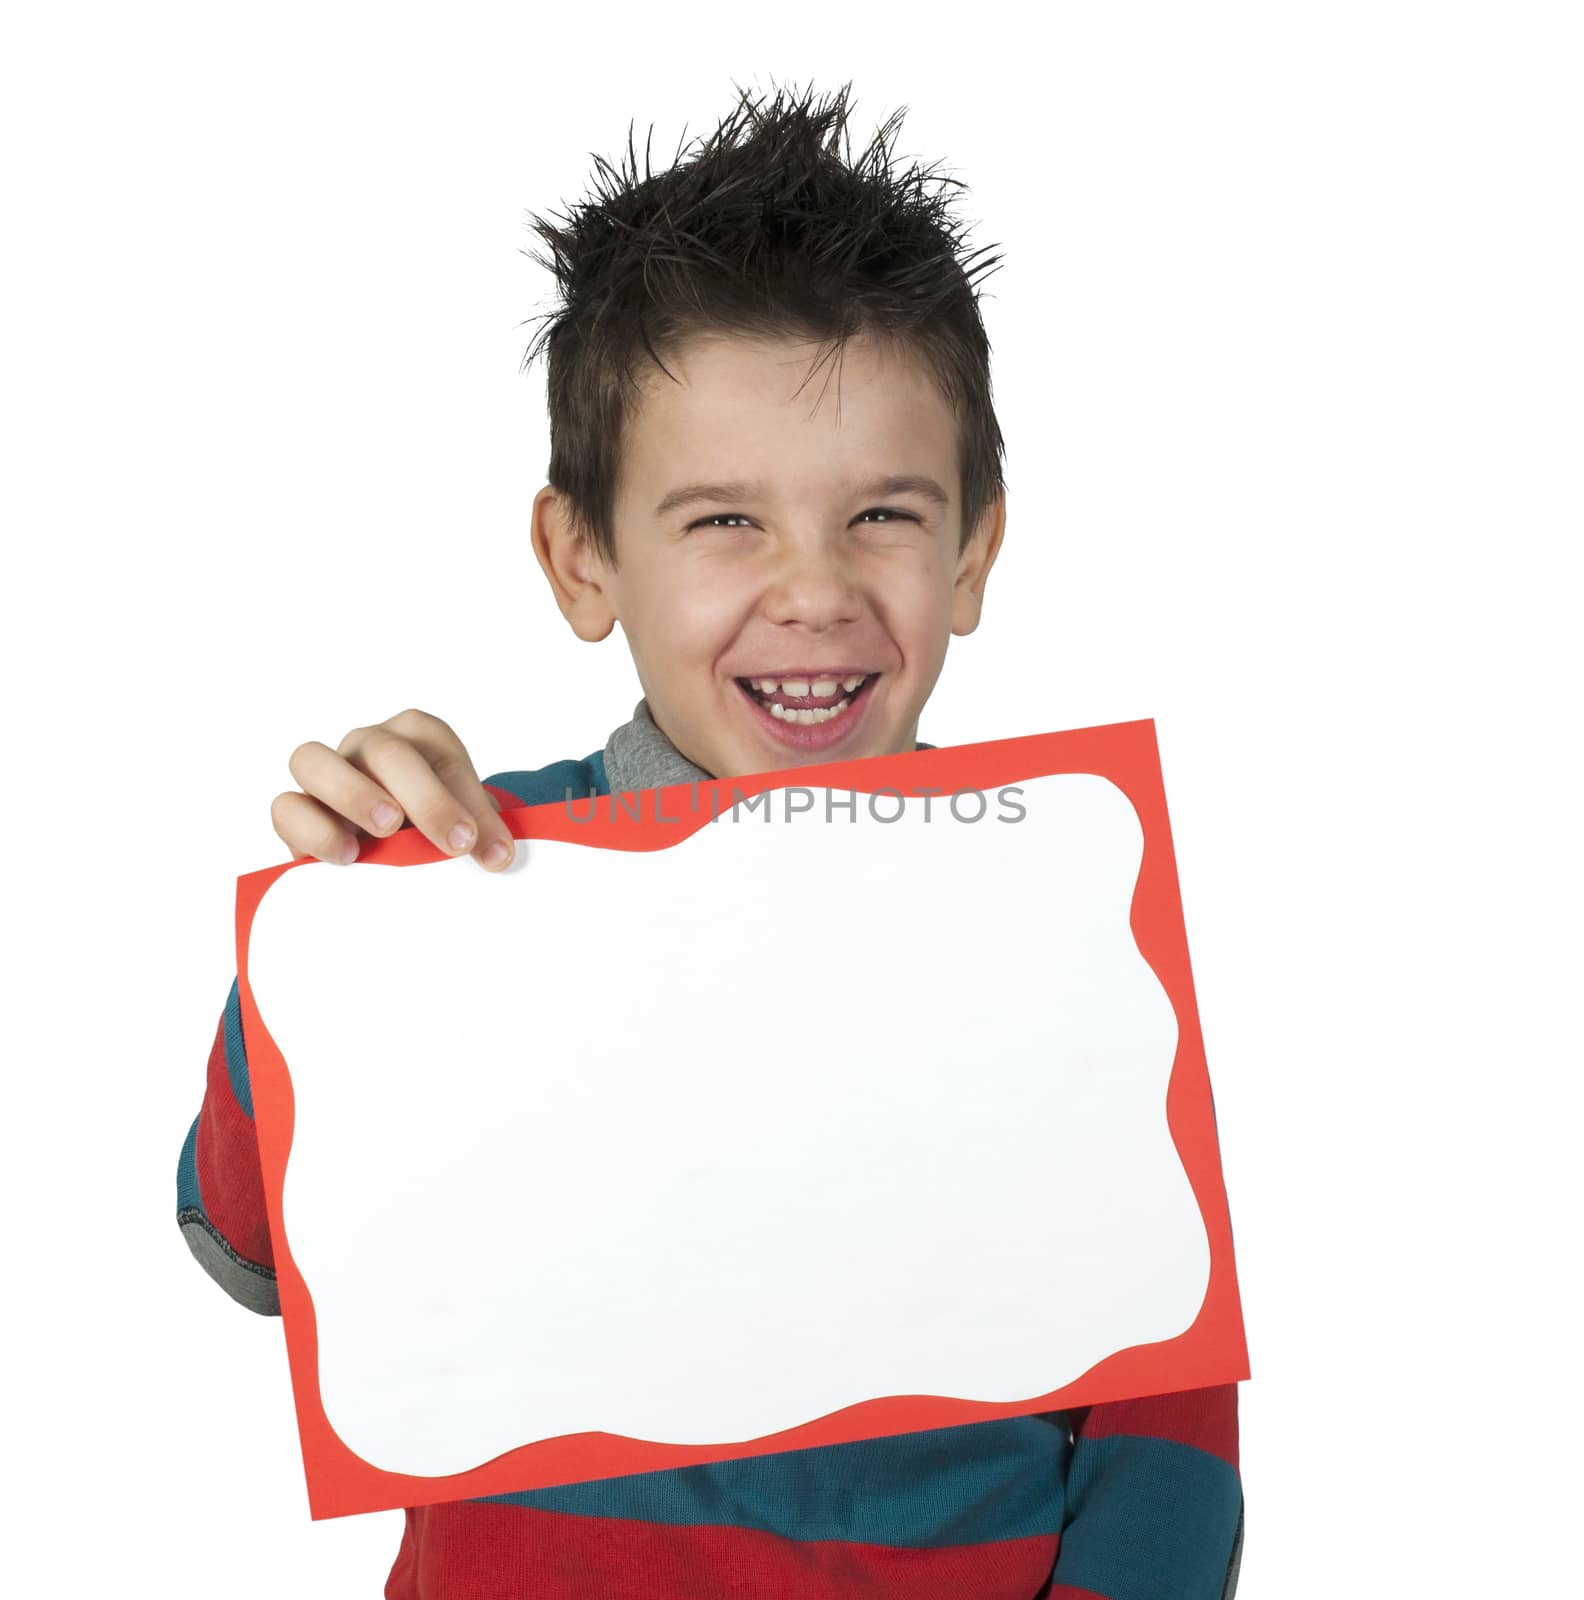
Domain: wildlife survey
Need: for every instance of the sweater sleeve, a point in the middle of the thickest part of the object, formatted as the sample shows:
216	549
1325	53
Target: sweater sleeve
219	1181
1155	1500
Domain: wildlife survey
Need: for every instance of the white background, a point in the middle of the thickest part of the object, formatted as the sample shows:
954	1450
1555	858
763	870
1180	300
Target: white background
1287	355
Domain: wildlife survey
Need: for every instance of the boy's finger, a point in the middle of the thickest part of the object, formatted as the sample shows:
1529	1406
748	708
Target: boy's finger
496	847
350	794
405	771
496	850
311	830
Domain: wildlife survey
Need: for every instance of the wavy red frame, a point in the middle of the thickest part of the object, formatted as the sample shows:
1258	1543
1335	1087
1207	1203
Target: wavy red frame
1211	1350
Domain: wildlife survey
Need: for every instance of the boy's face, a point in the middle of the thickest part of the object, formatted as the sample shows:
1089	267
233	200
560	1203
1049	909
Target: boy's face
797	611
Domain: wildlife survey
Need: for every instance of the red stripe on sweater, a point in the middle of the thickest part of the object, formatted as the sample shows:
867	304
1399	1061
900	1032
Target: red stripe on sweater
230	1178
469	1549
1204	1418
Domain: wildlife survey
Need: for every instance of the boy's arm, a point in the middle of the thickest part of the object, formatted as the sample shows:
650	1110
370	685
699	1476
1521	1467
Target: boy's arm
219	1182
1155	1500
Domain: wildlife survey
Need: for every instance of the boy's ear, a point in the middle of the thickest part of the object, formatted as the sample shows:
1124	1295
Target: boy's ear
577	575
973	566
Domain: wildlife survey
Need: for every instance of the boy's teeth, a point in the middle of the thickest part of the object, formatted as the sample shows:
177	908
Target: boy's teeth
804	688
821	688
808	718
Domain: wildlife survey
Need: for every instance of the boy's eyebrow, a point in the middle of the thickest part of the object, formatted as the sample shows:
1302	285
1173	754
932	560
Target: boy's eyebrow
897	483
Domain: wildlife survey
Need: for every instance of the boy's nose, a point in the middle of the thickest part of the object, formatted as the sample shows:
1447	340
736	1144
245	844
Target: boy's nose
811	582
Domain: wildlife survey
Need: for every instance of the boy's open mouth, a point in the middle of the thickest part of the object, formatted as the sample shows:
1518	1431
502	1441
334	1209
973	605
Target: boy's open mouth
810	701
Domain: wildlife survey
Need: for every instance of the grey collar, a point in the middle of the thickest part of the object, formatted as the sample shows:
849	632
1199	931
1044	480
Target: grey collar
639	756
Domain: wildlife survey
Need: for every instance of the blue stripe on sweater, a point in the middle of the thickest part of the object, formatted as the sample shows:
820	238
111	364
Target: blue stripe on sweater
1152	1520
546	784
187	1172
235	1054
974	1484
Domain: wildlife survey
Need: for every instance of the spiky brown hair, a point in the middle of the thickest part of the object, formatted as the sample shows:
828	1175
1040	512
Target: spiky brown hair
768	231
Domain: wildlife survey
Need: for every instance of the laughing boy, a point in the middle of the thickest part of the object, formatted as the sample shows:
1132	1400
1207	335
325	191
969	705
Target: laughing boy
775	463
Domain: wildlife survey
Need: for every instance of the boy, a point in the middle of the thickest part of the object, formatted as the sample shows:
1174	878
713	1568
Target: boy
787	575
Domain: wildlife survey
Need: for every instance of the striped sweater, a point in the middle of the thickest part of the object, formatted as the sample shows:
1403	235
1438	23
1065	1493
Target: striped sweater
1131	1500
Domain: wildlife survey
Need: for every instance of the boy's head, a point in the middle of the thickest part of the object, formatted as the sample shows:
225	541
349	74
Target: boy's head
751	524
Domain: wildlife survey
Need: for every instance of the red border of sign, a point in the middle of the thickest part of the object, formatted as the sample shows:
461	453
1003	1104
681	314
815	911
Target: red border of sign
1210	1351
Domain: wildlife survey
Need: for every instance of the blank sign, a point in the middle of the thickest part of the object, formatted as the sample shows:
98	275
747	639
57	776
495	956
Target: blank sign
700	1143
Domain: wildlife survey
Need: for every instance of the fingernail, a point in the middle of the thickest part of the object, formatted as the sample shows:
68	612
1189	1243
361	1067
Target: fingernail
385	815
461	837
349	853
496	854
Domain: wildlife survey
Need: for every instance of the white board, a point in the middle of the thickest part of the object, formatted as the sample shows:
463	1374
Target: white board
697	1144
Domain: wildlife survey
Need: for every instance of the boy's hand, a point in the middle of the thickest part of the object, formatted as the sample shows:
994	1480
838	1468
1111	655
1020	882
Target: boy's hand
411	766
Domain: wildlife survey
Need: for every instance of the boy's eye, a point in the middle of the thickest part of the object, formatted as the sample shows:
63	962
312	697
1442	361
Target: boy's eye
873	511
889	512
723	516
